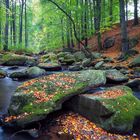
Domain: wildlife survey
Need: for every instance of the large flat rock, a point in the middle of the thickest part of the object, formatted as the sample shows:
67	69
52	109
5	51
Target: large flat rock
36	98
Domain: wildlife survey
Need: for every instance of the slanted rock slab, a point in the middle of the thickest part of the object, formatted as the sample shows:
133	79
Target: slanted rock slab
36	98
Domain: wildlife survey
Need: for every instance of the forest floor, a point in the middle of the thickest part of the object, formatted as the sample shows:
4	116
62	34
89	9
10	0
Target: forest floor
115	32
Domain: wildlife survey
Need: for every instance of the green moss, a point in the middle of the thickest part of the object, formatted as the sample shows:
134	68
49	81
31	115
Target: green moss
126	107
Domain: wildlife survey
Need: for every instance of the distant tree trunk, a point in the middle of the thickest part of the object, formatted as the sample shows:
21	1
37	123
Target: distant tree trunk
111	12
82	19
71	29
97	21
14	21
26	30
21	22
136	19
77	23
5	47
91	18
125	44
86	23
126	8
11	24
62	31
68	34
0	28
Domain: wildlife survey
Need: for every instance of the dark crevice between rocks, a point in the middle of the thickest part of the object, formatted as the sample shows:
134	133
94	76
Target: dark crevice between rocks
107	116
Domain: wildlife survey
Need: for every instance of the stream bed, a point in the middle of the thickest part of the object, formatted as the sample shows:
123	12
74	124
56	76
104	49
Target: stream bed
7	88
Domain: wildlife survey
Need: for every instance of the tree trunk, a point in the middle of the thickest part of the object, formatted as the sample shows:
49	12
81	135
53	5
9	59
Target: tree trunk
21	23
136	19
26	31
125	44
5	47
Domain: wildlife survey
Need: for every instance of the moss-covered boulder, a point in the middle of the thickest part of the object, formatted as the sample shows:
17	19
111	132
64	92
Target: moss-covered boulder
18	75
17	60
115	76
50	57
36	98
79	56
3	73
33	72
50	66
135	62
114	109
68	59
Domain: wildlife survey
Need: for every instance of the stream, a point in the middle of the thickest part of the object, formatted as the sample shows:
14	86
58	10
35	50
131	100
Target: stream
7	88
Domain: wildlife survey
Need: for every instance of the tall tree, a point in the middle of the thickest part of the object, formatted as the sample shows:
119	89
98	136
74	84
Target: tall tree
125	44
136	19
21	21
5	47
97	21
26	30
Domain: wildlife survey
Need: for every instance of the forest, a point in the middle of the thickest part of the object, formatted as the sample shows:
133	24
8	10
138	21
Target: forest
69	69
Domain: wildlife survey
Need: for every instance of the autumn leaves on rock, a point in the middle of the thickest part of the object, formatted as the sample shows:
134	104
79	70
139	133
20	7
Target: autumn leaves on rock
44	95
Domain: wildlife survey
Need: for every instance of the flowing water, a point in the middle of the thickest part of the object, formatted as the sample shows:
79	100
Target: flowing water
7	88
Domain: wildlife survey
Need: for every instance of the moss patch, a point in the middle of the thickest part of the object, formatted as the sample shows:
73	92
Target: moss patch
14	59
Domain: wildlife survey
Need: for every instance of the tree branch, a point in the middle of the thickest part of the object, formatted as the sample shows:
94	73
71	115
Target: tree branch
87	53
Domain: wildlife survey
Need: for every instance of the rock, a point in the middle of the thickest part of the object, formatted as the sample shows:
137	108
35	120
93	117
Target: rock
16	60
119	67
109	42
115	114
79	56
52	57
108	59
63	54
135	62
18	76
115	76
134	84
66	58
3	73
31	63
137	69
106	66
33	72
96	55
35	99
75	67
133	42
86	62
132	52
124	71
99	65
50	66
